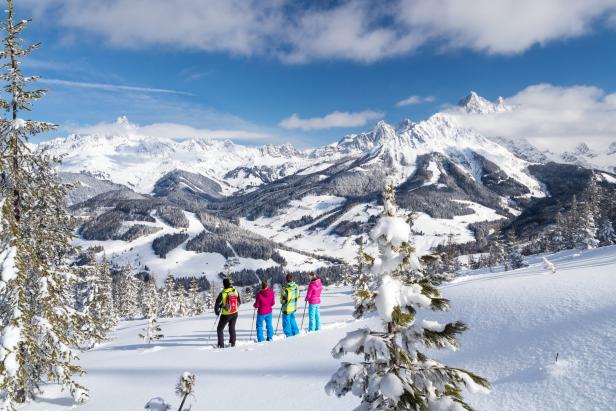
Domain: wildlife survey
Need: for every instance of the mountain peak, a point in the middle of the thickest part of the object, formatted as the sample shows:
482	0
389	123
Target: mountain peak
473	103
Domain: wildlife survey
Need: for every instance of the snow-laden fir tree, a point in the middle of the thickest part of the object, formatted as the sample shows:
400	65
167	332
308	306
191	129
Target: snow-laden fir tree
152	331
556	233
248	294
585	228
606	234
513	256
196	304
103	308
209	298
93	300
150	307
168	300
39	328
181	301
346	276
363	277
394	373
126	295
496	250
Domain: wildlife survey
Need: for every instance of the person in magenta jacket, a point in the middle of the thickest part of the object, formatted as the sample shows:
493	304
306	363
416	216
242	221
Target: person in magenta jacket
264	303
313	297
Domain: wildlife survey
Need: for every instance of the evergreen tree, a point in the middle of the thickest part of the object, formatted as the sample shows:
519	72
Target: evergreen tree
248	294
168	300
152	331
513	257
127	289
361	285
208	298
196	304
347	277
394	374
557	237
151	306
103	307
93	299
606	234
585	228
496	250
180	298
39	327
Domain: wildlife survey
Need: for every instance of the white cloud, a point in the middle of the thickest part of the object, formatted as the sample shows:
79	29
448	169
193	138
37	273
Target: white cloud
553	117
357	30
167	130
331	120
413	100
110	87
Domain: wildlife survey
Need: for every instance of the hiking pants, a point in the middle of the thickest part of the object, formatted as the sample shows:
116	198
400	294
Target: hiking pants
267	319
289	325
224	320
314	317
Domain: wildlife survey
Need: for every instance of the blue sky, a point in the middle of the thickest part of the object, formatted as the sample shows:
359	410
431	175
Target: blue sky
235	76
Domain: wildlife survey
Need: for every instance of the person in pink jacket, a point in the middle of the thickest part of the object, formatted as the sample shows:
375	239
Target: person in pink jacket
313	298
264	303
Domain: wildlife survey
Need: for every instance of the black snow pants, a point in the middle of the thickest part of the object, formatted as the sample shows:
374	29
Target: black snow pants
224	320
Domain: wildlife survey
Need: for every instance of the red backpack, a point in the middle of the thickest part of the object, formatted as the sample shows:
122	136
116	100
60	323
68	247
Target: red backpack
230	306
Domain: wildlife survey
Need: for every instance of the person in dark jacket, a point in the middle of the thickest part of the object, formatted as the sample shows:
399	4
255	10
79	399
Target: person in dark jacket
227	306
264	303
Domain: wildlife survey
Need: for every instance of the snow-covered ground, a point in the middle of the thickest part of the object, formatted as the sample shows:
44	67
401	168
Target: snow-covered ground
518	321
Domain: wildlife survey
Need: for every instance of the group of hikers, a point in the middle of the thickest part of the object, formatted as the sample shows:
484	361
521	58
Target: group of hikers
228	303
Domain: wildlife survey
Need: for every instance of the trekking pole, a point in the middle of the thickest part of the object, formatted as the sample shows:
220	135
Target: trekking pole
215	321
303	315
252	323
278	322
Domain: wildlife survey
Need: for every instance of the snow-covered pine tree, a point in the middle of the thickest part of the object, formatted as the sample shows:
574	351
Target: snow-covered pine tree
103	308
208	298
127	289
496	251
556	233
346	276
93	301
152	331
151	306
585	227
196	305
513	256
248	294
180	298
606	234
394	374
168	300
39	328
361	285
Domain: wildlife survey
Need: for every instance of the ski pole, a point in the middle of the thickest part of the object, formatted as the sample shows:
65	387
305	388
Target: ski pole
278	322
252	323
215	321
303	315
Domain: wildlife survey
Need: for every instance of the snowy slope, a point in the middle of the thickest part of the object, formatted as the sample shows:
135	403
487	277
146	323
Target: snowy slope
180	261
518	321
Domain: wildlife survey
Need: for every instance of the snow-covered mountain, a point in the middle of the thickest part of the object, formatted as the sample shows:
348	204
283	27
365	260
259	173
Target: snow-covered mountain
314	201
139	161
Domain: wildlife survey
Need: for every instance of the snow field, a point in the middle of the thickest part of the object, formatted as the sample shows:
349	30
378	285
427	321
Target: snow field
518	321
